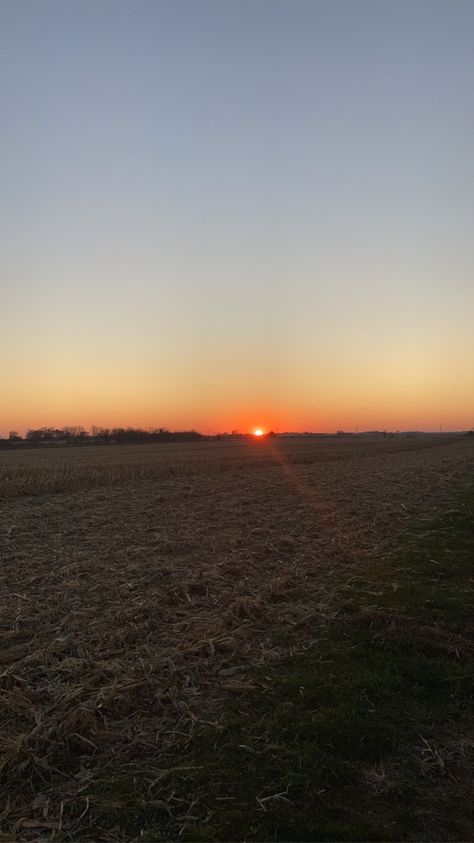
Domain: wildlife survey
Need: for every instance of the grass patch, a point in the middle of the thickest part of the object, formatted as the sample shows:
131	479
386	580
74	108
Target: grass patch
433	578
307	759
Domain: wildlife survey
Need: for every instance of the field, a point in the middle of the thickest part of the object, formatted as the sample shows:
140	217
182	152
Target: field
267	640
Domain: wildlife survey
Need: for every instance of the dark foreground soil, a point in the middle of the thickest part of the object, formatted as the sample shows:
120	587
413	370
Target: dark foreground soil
252	641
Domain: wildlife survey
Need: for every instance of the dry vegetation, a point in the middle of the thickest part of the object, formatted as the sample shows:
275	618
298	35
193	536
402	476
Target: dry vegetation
143	586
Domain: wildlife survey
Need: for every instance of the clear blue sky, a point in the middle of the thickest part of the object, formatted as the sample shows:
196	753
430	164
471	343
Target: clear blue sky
220	213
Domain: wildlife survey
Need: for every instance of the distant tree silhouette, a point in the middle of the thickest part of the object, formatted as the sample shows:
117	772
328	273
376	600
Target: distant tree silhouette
78	435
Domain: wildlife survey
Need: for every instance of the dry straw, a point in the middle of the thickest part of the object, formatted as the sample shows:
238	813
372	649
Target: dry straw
142	586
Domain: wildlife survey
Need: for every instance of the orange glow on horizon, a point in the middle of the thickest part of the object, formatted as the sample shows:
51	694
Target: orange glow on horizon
258	432
349	403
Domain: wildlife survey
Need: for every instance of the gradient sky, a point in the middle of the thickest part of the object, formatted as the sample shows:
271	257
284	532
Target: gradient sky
221	214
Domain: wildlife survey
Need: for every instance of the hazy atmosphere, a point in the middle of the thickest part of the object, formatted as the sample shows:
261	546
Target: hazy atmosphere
220	215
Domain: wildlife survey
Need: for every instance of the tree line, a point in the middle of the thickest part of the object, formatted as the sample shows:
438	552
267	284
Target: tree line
77	435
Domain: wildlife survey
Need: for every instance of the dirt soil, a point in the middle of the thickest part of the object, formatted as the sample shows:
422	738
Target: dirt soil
139	584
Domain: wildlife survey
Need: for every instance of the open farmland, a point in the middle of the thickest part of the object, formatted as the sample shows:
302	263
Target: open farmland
164	608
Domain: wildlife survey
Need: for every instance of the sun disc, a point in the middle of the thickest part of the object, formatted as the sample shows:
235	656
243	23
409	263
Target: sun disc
258	431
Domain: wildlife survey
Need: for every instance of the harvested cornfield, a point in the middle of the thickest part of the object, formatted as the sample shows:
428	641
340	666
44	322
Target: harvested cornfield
146	588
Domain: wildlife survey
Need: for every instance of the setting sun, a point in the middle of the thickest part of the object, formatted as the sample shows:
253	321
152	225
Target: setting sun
258	432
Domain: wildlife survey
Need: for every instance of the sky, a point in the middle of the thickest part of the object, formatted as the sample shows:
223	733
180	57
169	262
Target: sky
223	214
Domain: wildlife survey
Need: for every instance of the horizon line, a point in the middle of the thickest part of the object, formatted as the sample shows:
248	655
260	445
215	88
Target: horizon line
96	431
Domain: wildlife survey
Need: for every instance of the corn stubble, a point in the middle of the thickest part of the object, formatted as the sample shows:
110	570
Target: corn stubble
143	585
